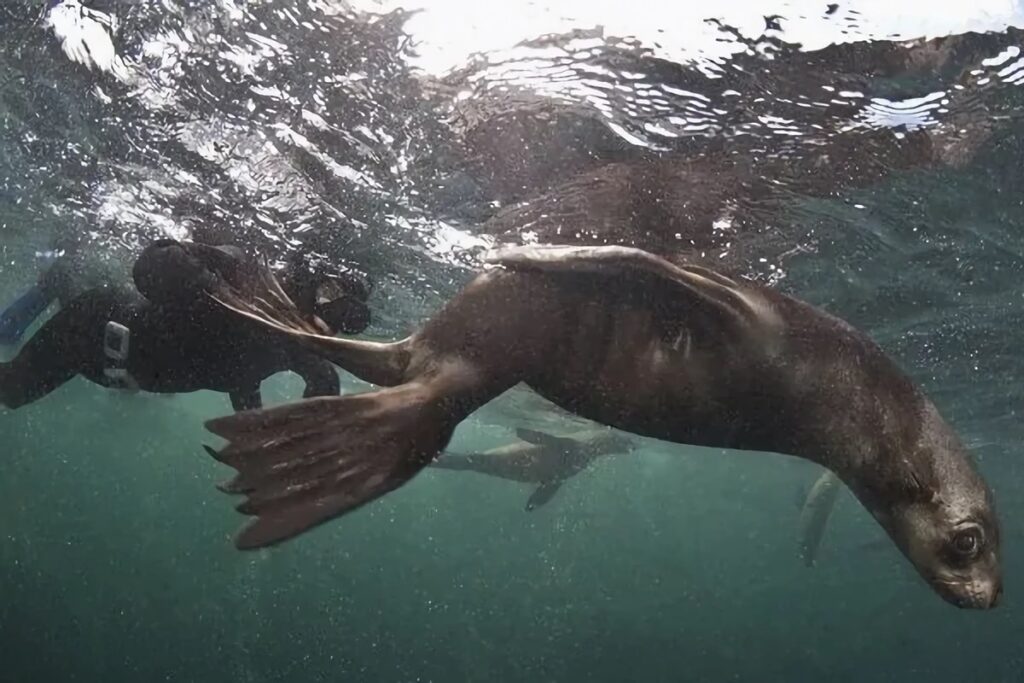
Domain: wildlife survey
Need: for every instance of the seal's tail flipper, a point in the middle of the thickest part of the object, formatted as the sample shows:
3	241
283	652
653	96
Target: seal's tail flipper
544	493
457	461
544	439
305	463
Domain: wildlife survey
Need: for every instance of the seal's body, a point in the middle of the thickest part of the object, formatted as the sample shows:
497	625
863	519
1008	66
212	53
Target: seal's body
625	338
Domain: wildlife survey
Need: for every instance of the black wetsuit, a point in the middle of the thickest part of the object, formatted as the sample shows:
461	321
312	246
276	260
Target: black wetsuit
180	339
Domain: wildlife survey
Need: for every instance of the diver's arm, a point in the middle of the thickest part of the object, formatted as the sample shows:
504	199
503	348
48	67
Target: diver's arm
246	399
319	375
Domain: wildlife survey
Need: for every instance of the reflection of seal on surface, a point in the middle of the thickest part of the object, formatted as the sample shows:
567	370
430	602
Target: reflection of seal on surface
622	337
814	514
542	459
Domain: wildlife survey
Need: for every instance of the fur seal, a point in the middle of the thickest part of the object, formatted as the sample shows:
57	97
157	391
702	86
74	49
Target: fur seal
816	509
814	515
620	336
542	459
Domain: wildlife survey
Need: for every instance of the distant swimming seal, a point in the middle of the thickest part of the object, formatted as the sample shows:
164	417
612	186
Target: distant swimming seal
814	515
542	459
628	339
816	509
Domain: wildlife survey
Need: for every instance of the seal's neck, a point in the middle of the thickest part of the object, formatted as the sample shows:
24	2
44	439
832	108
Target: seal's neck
911	462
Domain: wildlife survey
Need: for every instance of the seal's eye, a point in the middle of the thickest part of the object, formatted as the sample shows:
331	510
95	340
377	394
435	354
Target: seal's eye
966	542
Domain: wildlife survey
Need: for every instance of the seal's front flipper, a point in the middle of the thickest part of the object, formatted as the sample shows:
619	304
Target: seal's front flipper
543	495
800	496
815	514
692	285
305	463
560	443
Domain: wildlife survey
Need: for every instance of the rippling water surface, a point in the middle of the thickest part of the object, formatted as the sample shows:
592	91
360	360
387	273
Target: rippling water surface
864	156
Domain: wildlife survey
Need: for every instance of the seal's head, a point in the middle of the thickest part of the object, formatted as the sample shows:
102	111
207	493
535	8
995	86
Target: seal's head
939	512
954	543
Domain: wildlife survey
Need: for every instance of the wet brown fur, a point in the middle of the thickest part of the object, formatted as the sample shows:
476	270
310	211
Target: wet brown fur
623	338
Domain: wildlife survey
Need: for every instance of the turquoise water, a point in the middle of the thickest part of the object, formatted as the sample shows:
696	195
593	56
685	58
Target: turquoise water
356	140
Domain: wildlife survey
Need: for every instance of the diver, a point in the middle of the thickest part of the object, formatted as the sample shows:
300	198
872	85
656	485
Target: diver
168	334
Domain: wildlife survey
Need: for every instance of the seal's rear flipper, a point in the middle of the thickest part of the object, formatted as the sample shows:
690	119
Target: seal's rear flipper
305	463
263	300
267	304
543	494
459	462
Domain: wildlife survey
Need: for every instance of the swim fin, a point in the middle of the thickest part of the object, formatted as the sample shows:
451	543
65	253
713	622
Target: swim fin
20	315
305	463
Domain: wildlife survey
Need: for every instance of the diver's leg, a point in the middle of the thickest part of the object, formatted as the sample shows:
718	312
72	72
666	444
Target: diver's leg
59	279
54	284
21	313
54	354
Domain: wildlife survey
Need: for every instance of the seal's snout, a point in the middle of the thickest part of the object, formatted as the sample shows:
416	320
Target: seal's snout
991	594
971	595
997	595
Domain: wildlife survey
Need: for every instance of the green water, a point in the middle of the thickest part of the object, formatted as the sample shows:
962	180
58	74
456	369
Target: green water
667	564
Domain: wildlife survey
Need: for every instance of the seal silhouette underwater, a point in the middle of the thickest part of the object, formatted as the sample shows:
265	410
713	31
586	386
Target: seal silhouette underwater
679	353
542	459
815	510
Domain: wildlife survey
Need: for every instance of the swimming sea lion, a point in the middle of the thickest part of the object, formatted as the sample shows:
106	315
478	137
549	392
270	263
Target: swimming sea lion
625	338
542	459
814	515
